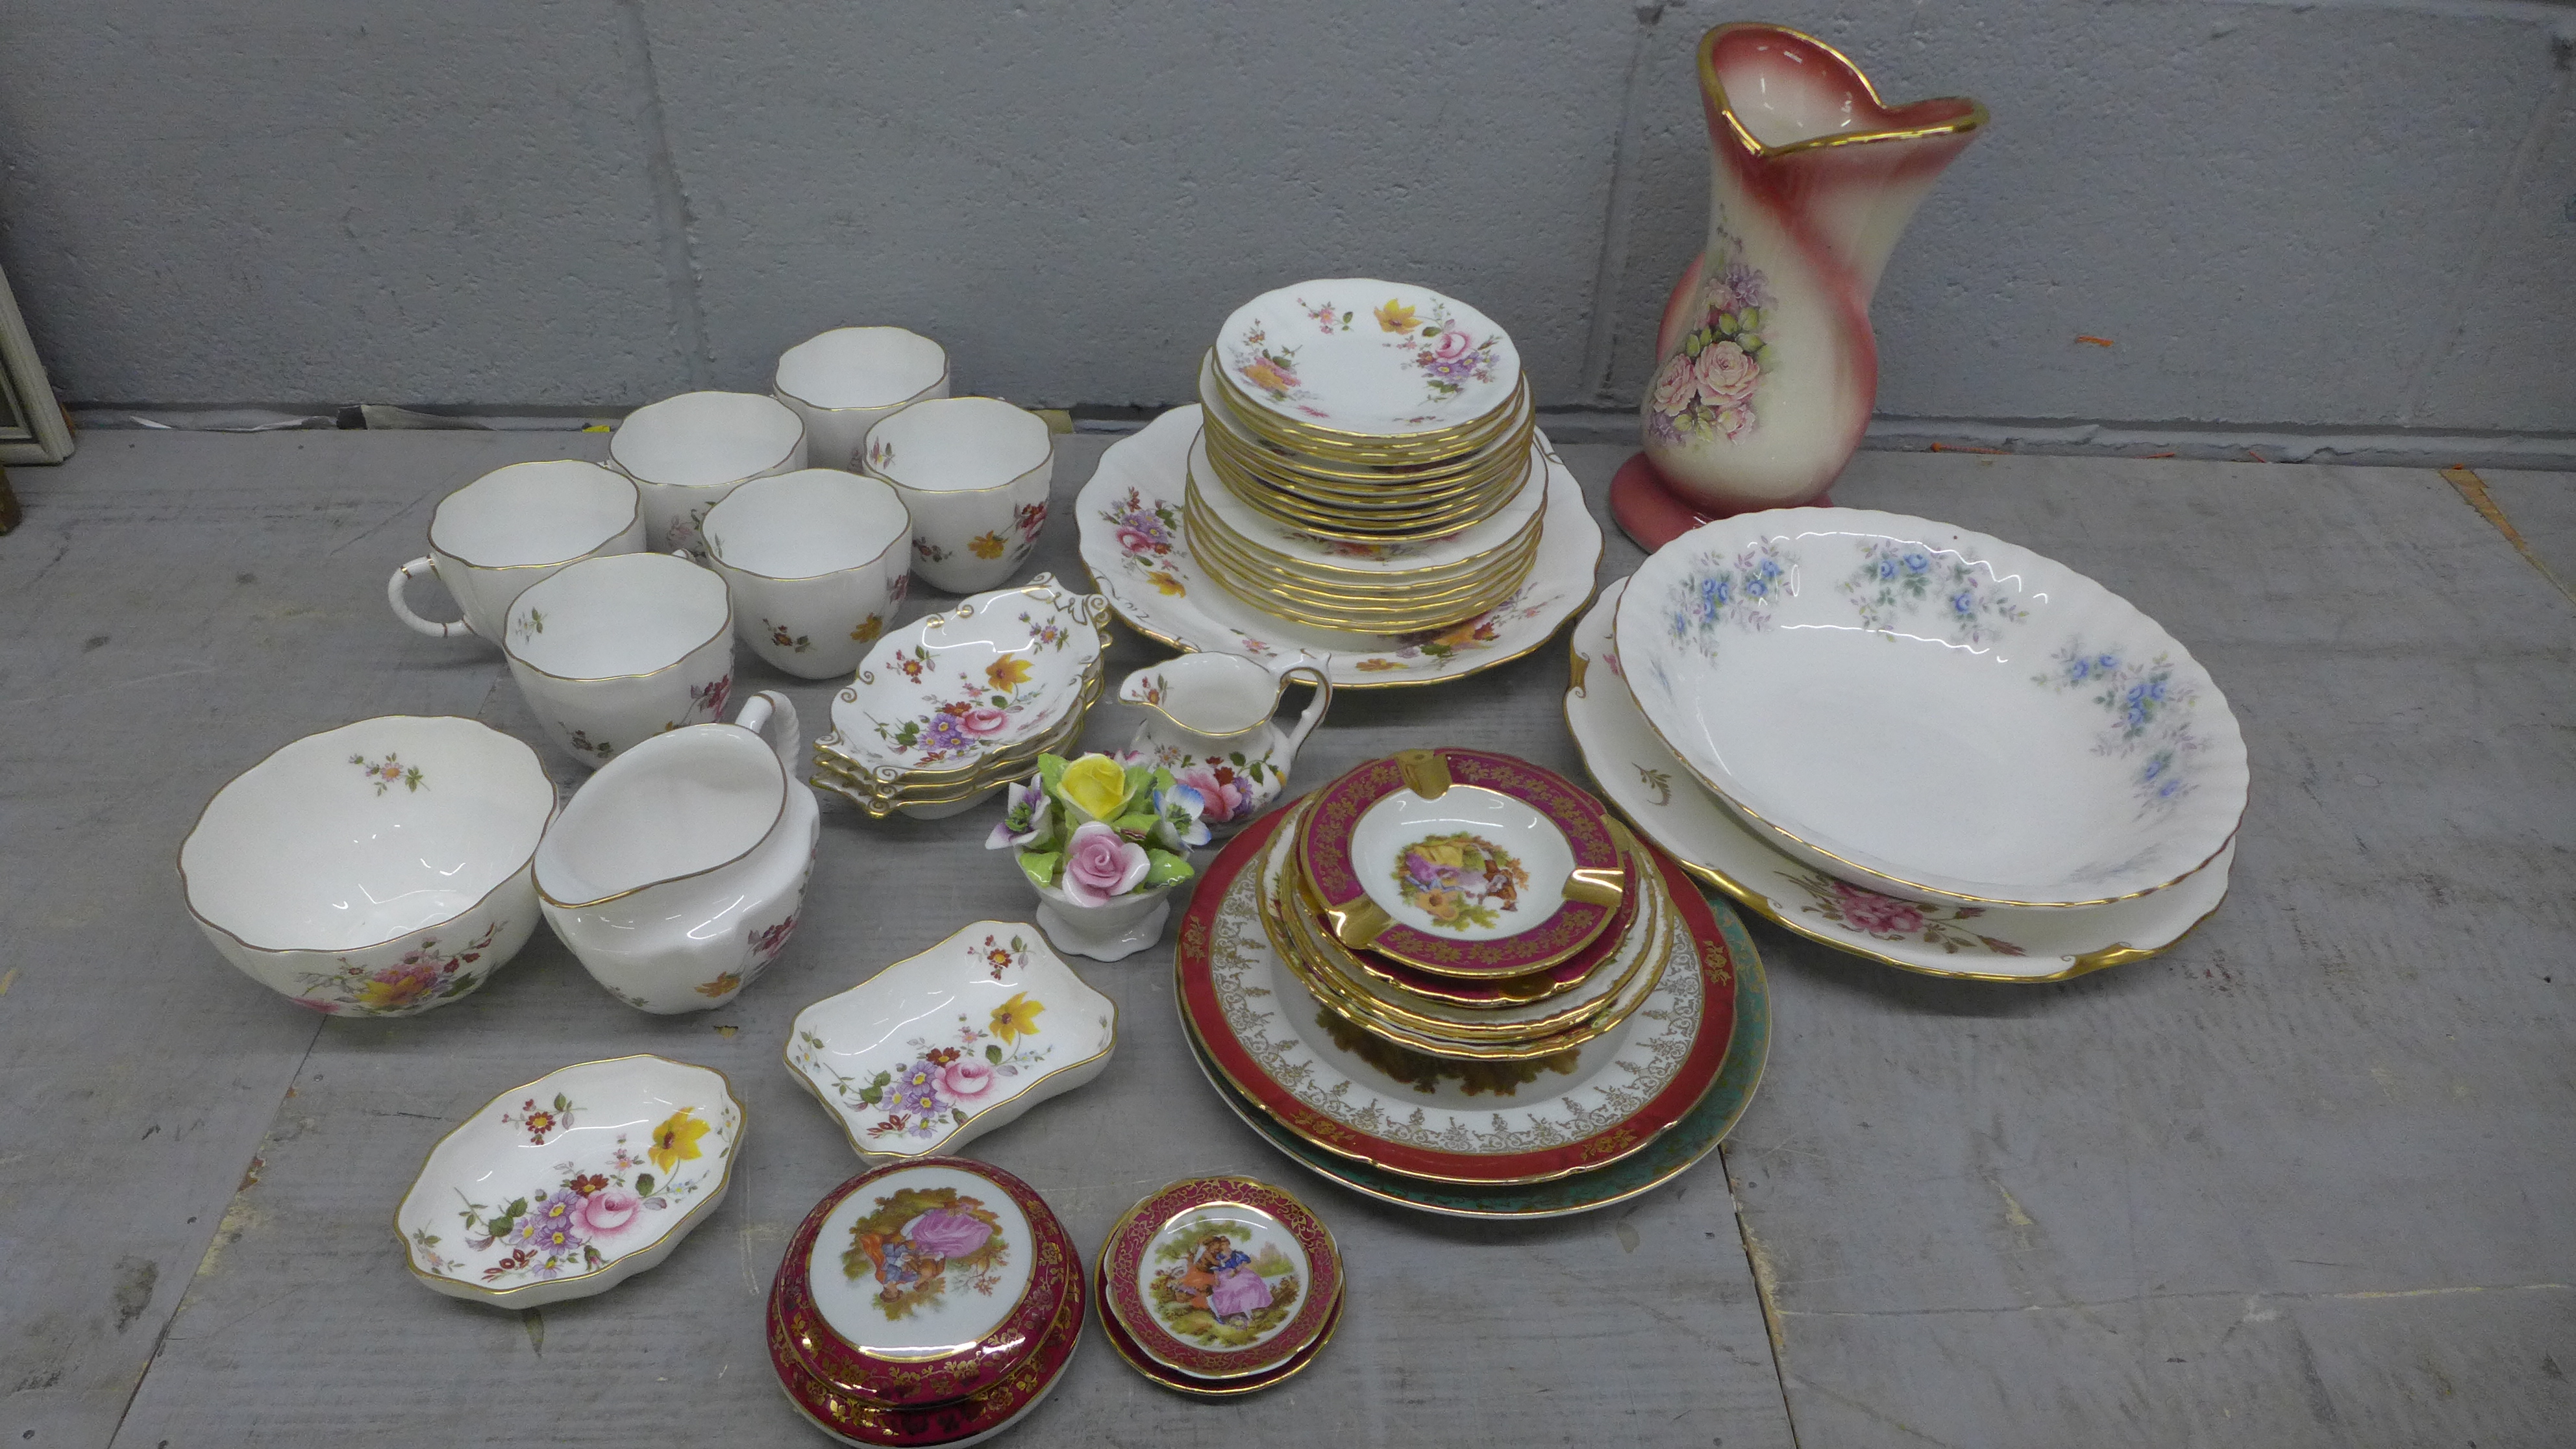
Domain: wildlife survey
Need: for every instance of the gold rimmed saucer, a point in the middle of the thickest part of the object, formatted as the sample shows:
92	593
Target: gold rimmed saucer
1209	541
1362	567
1331	442
1426	481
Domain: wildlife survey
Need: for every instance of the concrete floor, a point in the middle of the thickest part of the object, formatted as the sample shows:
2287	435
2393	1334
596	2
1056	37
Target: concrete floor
2306	1179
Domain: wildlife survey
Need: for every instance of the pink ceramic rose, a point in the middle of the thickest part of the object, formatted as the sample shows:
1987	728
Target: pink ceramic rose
1100	863
945	1234
983	720
1725	374
610	1211
966	1080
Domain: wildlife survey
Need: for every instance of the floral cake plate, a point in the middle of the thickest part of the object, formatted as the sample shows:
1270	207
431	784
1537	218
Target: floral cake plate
1651	787
1131	517
573	1183
1220	1277
1461	863
942	1047
1353	355
1447	1121
1948	717
1167	1377
914	1281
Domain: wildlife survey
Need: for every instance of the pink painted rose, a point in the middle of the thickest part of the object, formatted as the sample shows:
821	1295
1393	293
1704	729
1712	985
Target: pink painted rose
1723	298
1677	387
1725	374
609	1211
1220	786
1734	420
1100	863
1877	914
1451	344
1135	540
945	1234
966	1079
984	720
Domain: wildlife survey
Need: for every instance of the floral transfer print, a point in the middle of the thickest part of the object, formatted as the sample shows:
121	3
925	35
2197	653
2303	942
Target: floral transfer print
1211	1288
1234	785
784	638
960	725
929	552
922	1243
538	1122
530	625
1895	579
1461	881
580	742
710	698
388	772
2149	713
1270	370
420	979
868	629
588	1217
1448	359
1704	390
943	1084
1887	918
986	545
1147	534
1030	520
1740	592
1434	647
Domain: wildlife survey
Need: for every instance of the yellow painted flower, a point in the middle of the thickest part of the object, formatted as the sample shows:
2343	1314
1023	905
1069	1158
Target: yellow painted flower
676	1140
1394	316
1377	666
1269	376
1008	672
1097	785
985	545
1166	583
1017	1017
869	628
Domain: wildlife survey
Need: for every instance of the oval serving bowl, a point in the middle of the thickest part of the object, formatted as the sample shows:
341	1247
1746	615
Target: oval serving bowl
573	1183
923	1283
1000	671
942	1047
1930	712
379	869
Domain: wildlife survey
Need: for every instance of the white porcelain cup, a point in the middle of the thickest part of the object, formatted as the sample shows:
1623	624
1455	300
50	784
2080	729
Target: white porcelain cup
686	453
842	381
613	651
507	530
973	473
817	561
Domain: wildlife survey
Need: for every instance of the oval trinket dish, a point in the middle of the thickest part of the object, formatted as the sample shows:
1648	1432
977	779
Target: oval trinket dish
942	1047
931	1301
1220	1280
573	1183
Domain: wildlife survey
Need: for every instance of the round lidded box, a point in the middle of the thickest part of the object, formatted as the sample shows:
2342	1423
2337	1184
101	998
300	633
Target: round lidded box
920	1284
1220	1279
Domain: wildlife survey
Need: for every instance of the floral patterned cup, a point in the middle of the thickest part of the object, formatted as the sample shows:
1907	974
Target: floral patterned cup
843	381
686	453
973	472
500	535
613	651
379	869
817	564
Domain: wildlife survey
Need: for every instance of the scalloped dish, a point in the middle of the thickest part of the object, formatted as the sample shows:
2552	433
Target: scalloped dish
573	1183
943	1047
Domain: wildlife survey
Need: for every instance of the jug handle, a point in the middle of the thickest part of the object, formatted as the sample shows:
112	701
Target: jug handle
1314	714
772	716
402	607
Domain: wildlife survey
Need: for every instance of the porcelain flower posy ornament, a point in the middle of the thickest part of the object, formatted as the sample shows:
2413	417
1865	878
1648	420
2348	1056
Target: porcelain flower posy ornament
1104	839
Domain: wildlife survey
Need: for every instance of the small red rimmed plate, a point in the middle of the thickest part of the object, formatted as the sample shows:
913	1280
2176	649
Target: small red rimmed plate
1462	863
1181	1383
1221	1277
922	1283
1614	1099
850	1419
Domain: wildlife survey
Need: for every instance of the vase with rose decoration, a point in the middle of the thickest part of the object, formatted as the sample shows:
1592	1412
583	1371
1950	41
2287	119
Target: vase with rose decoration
1104	842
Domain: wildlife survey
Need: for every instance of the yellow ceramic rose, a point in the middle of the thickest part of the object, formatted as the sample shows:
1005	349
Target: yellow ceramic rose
1098	786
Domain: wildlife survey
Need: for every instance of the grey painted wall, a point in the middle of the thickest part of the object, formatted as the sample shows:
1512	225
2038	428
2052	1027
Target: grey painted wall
2323	214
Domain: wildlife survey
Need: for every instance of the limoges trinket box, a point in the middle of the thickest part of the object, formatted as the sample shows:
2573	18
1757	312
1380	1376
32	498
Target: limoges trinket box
1219	1285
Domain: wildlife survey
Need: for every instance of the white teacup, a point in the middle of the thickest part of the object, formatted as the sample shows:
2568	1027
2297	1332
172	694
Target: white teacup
493	538
379	869
842	381
973	473
686	453
613	651
817	561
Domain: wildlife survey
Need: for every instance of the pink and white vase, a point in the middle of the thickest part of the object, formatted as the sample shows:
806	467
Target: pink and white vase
1766	367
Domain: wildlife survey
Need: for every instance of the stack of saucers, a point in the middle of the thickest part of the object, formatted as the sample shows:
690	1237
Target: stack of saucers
1454	967
954	705
1367	460
934	1302
1219	1286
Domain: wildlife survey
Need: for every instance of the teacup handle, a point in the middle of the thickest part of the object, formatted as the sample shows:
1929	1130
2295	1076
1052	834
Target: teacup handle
772	716
402	607
1315	708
